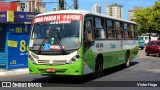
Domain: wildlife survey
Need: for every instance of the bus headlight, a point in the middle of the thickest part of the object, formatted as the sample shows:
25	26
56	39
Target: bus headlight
35	56
74	59
31	58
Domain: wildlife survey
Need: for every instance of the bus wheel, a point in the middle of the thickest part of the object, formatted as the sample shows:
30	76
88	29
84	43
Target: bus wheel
127	62
98	67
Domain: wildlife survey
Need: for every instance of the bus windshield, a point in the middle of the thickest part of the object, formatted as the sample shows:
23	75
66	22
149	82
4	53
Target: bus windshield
47	36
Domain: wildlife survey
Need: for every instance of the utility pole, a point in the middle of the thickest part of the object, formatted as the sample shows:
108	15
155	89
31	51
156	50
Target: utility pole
75	4
61	5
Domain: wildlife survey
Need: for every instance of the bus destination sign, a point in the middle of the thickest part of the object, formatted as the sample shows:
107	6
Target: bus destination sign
55	17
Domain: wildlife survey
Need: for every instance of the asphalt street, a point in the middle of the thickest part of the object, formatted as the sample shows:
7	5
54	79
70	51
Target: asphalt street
145	68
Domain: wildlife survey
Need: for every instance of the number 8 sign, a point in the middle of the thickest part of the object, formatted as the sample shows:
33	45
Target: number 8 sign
23	46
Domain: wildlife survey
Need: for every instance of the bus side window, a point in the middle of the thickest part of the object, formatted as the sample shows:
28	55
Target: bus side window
110	31
125	28
88	31
132	31
118	28
99	28
129	31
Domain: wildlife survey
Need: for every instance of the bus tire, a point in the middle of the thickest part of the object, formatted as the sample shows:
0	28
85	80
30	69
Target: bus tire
98	67
127	61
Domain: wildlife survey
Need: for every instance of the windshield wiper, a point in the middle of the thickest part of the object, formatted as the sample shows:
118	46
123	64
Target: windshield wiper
47	35
39	50
58	42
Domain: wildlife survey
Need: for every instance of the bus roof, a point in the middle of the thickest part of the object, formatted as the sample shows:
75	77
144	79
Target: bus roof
83	12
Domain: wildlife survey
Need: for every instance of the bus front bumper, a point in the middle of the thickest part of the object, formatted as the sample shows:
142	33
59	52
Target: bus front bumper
67	69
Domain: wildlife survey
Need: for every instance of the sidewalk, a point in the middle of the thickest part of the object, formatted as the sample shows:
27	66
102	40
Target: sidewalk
14	72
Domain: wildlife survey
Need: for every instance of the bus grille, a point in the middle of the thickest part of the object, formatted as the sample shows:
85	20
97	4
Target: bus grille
55	62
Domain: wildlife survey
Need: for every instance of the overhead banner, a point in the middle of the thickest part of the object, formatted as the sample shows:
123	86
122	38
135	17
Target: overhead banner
24	16
14	16
17	46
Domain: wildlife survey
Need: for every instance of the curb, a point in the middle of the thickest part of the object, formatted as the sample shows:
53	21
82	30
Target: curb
14	72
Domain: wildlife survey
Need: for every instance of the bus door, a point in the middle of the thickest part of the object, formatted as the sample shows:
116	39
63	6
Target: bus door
88	42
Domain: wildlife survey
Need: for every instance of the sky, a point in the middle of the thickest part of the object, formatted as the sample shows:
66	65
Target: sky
87	4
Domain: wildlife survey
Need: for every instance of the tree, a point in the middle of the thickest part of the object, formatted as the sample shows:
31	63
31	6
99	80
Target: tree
142	17
156	16
148	19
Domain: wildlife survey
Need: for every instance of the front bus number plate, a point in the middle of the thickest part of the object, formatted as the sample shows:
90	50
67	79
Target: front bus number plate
51	70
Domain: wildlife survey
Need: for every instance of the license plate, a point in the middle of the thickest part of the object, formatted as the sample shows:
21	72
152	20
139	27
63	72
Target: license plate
51	70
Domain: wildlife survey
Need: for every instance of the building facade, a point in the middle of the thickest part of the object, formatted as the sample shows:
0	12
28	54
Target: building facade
131	12
96	8
21	6
35	6
114	10
29	6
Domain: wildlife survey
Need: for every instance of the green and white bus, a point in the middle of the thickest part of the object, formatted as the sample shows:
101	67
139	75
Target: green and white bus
77	42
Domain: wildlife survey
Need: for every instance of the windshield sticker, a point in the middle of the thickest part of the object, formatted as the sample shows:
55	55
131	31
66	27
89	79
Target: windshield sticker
52	41
46	46
60	18
56	47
